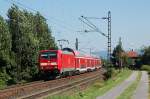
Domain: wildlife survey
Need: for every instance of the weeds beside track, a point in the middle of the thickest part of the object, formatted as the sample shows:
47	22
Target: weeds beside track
30	89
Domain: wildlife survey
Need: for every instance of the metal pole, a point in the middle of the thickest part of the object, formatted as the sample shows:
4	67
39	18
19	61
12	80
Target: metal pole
76	44
91	25
109	37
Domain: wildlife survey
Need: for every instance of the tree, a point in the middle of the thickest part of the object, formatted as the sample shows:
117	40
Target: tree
43	33
29	35
5	51
145	58
22	36
117	54
15	22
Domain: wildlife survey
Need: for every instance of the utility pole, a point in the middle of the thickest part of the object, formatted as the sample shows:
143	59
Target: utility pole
108	18
77	44
95	29
109	35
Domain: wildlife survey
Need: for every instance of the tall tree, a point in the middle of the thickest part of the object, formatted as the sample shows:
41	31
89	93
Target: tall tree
14	23
5	51
43	33
145	58
30	34
117	54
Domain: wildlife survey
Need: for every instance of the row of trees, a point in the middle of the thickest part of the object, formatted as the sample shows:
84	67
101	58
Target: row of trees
22	36
119	57
145	57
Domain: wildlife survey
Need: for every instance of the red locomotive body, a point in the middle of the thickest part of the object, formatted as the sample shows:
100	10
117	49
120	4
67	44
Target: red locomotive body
57	60
47	59
66	61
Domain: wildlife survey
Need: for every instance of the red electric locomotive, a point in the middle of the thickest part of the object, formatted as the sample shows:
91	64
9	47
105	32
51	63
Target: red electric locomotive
66	61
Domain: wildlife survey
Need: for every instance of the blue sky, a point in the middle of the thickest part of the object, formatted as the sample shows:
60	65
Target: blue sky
130	20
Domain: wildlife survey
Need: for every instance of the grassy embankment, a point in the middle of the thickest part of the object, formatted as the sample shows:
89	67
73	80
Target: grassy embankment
98	88
147	68
128	93
149	86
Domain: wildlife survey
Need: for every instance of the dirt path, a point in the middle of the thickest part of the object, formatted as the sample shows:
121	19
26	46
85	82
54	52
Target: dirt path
117	90
142	89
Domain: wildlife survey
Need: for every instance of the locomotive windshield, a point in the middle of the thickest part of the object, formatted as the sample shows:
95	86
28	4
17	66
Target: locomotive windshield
48	55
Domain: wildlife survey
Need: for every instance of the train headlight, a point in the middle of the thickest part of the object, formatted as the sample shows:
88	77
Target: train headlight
53	63
43	64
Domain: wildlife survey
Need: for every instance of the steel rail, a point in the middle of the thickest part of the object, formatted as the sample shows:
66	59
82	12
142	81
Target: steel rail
59	89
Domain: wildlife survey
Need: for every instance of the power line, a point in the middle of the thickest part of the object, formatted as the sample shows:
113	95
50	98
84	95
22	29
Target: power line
36	11
89	21
86	23
61	22
61	25
91	25
49	18
53	20
21	5
67	27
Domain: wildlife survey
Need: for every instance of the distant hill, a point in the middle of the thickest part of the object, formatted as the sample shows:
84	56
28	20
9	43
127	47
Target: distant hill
102	54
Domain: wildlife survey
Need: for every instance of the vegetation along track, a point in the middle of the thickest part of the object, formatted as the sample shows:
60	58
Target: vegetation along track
30	90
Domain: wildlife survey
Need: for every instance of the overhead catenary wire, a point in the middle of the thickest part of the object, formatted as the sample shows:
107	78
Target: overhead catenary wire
89	21
61	25
56	23
91	25
50	18
86	23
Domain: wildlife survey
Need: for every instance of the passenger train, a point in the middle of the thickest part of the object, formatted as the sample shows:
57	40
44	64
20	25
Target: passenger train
66	62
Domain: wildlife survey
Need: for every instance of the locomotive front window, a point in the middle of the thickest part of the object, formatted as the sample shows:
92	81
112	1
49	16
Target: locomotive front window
48	55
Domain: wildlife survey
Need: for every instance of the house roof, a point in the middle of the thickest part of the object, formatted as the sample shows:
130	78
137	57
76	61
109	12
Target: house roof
132	54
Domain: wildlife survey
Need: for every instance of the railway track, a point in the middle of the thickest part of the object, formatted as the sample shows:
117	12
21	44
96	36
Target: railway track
62	88
40	89
16	90
21	85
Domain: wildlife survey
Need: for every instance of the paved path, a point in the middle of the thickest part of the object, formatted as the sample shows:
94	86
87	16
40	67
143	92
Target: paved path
142	89
117	90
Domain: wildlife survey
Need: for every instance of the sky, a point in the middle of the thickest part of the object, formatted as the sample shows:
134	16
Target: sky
130	21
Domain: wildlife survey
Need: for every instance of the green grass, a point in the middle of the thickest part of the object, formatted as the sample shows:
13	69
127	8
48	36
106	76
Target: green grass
147	68
98	88
128	93
149	86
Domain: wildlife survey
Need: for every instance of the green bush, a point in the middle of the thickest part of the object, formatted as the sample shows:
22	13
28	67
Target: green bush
146	67
3	79
2	83
108	73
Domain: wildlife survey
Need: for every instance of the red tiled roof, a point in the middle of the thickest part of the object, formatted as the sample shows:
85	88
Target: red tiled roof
132	54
